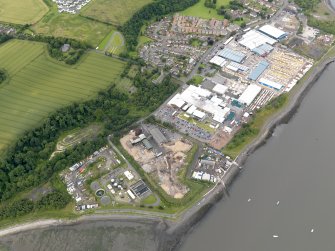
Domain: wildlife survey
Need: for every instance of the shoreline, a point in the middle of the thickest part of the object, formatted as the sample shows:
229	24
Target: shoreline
177	231
330	5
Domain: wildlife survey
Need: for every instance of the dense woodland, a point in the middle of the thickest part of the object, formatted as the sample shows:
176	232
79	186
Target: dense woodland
26	163
131	29
54	200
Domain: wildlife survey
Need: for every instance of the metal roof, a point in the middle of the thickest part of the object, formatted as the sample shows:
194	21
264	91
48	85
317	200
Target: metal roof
147	144
239	66
253	39
250	94
232	55
272	31
271	84
260	68
158	136
263	49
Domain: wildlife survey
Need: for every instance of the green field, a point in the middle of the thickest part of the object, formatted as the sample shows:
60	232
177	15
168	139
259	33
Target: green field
115	12
72	26
113	43
199	10
22	11
39	85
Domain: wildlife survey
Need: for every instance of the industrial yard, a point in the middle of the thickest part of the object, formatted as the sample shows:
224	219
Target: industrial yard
250	69
161	153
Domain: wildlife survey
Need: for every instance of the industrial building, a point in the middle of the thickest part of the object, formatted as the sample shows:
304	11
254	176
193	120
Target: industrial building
147	144
199	101
273	32
263	50
232	55
140	188
220	89
219	61
253	39
249	94
270	84
260	68
158	135
237	67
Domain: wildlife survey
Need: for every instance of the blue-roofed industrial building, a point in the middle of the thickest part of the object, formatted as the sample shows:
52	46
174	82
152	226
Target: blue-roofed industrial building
263	49
232	55
260	68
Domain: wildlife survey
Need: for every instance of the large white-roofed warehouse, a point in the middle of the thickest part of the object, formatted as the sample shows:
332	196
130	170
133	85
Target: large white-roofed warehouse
249	94
253	39
273	32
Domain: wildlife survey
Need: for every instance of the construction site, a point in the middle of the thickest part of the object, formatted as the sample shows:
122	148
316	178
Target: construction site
161	153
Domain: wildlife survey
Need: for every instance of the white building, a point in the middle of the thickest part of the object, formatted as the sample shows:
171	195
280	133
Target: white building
253	39
273	32
249	94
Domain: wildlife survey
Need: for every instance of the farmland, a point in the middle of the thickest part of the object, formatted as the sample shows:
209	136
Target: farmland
39	85
115	12
22	12
72	26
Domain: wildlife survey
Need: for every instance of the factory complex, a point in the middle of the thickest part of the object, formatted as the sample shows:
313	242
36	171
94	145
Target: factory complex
252	69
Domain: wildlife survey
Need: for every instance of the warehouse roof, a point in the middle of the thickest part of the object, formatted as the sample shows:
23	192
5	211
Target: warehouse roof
250	94
263	49
221	89
253	39
158	135
238	66
271	84
272	31
147	144
260	68
218	61
232	55
199	114
177	101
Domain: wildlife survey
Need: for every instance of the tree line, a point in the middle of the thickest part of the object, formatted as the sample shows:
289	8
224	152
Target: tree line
131	29
54	200
54	45
26	163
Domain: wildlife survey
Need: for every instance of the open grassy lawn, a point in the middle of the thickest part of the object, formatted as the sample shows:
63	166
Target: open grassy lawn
72	26
38	85
113	43
115	12
22	11
199	10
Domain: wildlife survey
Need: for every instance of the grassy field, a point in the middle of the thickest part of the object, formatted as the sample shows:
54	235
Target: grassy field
113	43
115	12
39	85
72	26
22	12
199	10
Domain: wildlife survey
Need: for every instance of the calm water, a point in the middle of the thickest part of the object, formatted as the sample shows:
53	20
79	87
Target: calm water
332	2
295	167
